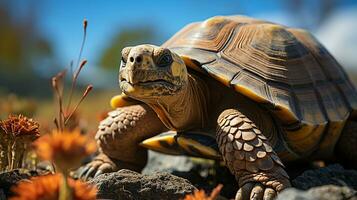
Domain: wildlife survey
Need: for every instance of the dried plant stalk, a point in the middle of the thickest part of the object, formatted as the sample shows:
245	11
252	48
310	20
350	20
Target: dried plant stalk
17	132
80	66
66	148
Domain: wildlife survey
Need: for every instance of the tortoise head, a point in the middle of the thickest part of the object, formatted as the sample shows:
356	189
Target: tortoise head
148	71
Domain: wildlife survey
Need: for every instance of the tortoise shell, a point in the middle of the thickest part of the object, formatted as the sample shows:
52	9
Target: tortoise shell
284	69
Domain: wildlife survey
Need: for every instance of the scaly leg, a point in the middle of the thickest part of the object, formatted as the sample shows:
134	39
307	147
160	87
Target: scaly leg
249	156
118	139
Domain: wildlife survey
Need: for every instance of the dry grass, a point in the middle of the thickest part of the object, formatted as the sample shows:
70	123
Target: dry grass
89	114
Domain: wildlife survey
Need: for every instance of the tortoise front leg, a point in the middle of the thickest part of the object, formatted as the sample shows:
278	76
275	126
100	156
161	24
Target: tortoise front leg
118	139
249	156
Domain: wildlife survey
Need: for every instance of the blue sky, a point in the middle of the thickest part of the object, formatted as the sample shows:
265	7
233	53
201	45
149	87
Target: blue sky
61	21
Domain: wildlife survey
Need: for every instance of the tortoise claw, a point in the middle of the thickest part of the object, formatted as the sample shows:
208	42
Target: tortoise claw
99	172
95	168
269	194
89	173
83	171
244	192
255	192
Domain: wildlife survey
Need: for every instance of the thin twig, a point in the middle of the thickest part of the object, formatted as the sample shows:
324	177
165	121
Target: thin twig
56	123
71	91
59	98
85	24
71	68
60	78
74	82
74	77
86	92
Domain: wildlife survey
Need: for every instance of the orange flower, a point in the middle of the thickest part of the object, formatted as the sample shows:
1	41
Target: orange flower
20	126
66	149
47	188
201	195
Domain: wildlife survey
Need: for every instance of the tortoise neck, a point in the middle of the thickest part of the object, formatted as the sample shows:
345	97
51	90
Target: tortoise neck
185	110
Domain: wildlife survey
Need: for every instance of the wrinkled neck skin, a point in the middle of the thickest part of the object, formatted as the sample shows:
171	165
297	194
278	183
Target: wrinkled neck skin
186	109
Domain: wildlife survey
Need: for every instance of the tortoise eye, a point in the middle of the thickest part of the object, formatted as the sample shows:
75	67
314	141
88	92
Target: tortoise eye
122	63
122	59
124	54
165	59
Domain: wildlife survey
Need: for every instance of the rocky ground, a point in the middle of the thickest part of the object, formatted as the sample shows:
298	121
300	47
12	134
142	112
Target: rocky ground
168	177
8	179
331	182
128	185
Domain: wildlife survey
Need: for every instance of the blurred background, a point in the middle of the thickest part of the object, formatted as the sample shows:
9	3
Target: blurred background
39	38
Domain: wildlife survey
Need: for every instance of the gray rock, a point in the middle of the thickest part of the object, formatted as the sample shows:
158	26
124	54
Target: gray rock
330	175
167	163
328	183
2	195
127	185
10	178
327	192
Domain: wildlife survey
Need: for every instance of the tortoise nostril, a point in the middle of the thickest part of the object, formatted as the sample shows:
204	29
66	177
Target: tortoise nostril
138	59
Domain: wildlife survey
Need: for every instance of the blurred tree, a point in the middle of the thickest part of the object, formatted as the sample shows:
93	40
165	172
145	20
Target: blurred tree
22	49
110	58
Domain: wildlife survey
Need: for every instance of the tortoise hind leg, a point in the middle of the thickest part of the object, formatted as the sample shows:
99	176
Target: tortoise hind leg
249	156
346	147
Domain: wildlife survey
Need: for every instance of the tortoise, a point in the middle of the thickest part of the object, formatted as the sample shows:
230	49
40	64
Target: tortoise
250	92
